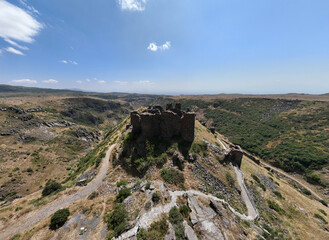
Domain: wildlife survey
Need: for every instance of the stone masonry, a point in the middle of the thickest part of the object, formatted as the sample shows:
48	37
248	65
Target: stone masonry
157	122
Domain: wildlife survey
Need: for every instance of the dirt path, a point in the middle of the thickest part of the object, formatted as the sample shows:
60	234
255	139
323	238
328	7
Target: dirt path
282	173
36	216
252	210
292	178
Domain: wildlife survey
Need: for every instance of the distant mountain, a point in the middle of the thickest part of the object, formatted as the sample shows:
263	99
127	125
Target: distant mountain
16	89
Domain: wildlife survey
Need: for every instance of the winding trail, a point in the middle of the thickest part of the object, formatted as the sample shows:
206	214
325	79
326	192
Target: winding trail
146	219
38	215
252	210
271	168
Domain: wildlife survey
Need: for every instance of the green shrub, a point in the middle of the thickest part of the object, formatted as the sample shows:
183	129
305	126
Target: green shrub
173	176
278	194
230	179
318	216
122	183
156	197
147	205
184	210
15	237
313	178
306	192
323	202
176	219
273	205
51	186
123	194
255	178
59	218
117	220
322	211
148	185
156	231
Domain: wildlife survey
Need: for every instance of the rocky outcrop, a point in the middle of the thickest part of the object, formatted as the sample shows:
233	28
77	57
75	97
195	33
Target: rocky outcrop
85	177
83	134
234	154
156	122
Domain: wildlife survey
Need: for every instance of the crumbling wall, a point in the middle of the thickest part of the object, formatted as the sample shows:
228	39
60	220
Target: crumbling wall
167	123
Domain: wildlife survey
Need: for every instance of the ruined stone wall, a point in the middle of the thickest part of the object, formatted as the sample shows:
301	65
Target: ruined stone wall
167	123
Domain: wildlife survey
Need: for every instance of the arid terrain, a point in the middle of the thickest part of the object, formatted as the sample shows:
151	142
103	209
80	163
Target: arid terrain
78	151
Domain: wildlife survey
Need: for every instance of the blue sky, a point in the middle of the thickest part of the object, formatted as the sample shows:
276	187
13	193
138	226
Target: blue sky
166	46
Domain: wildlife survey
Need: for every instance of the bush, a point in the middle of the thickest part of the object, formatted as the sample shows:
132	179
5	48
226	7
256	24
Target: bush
230	179
123	194
156	197
323	212
324	203
255	178
318	216
176	219
59	218
184	210
51	186
173	176
147	205
122	183
313	178
278	194
306	192
156	231
273	205
148	185
117	220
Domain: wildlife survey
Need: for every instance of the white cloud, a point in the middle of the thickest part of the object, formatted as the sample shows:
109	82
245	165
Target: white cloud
145	82
16	44
120	82
25	80
52	81
17	24
68	61
101	81
88	80
154	47
30	8
14	51
133	5
79	81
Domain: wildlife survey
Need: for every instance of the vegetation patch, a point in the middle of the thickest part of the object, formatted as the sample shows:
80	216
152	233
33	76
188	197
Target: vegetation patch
116	221
273	205
51	187
59	218
318	216
123	194
176	219
156	231
172	176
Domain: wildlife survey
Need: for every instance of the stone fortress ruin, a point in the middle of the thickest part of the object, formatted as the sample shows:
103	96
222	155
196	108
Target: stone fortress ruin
157	122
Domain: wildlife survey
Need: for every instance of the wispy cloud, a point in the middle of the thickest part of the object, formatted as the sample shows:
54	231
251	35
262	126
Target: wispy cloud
120	82
16	44
154	47
25	80
68	62
30	8
17	24
101	81
145	82
79	81
132	5
52	81
14	51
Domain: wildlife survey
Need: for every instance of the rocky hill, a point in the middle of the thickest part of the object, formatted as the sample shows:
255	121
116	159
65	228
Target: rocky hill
131	186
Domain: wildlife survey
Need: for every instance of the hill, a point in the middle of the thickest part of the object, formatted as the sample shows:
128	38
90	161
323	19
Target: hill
156	188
